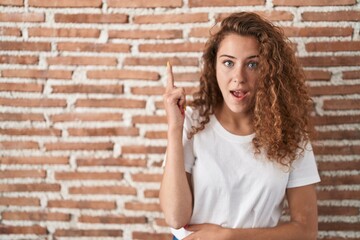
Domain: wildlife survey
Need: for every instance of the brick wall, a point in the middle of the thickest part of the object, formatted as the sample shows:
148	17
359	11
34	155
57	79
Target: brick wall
82	126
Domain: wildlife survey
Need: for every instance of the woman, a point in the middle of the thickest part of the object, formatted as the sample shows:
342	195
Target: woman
243	145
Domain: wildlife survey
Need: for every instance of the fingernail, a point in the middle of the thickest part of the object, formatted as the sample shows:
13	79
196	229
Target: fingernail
168	64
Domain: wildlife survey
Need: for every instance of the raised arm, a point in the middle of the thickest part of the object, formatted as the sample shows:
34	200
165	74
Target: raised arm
175	190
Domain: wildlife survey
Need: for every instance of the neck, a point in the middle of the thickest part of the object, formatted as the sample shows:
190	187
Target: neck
236	123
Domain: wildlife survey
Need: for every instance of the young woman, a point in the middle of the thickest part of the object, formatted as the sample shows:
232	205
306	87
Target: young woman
242	146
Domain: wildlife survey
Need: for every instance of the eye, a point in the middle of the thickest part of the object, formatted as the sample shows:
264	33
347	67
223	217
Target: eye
252	65
228	63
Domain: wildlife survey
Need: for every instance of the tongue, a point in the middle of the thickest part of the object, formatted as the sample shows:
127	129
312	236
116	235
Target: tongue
238	93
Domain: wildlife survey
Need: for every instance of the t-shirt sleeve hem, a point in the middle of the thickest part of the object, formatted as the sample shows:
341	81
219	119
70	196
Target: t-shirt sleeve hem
303	182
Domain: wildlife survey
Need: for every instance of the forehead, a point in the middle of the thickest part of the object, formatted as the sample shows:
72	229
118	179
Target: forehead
238	44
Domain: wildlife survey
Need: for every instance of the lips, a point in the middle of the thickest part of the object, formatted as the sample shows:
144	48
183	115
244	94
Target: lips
239	94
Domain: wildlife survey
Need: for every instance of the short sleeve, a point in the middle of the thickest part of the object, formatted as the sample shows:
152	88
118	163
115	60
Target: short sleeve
304	170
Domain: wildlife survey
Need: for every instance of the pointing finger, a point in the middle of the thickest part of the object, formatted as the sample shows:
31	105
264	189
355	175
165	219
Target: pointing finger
170	76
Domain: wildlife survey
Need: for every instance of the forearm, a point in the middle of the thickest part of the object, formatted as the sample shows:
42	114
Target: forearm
175	192
287	231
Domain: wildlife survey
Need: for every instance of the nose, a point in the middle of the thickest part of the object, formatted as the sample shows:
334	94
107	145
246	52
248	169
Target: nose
239	74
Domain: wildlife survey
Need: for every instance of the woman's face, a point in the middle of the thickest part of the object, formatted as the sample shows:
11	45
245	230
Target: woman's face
237	72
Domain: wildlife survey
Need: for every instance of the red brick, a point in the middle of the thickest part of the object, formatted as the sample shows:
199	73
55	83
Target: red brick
78	146
104	190
149	119
106	89
335	120
203	32
25	60
21	87
337	150
151	236
33	102
24	46
86	61
331	61
93	47
22	174
338	210
147	90
23	230
18	3
187	77
338	195
333	46
351	74
91	18
138	206
19	201
340	180
156	134
318	31
115	131
341	104
269	15
19	145
144	3
123	74
338	226
317	75
161	222
175	61
172	18
145	34
335	90
22	17
331	16
338	135
111	103
30	187
65	3
36	216
172	47
88	233
106	205
85	117
70	176
34	160
339	166
111	162
10	31
304	3
146	177
30	132
143	149
36	73
22	117
113	219
219	3
151	193
64	32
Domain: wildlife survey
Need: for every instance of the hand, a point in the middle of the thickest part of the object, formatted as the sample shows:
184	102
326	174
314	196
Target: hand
206	232
174	101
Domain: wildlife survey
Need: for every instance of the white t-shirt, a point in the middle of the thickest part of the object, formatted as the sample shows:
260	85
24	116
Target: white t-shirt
232	186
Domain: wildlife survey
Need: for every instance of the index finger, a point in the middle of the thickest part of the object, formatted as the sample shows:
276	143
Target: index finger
170	76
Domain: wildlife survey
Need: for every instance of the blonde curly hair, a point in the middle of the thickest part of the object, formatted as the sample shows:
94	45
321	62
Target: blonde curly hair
281	112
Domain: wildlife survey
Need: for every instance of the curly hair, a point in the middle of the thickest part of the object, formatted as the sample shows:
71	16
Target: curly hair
281	112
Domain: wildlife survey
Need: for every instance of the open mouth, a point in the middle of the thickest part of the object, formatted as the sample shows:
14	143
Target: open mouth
238	94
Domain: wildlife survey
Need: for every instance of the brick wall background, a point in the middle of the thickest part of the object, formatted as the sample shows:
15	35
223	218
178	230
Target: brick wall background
82	126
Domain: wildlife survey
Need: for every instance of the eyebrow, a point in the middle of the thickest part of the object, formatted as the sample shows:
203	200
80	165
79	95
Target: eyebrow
229	56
